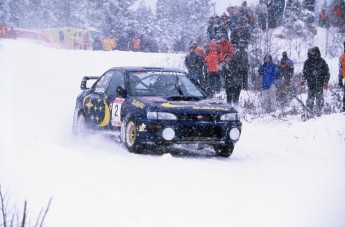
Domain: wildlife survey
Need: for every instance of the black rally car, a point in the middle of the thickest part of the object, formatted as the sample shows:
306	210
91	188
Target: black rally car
155	107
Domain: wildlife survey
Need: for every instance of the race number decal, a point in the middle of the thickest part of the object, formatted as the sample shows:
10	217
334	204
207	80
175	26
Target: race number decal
116	112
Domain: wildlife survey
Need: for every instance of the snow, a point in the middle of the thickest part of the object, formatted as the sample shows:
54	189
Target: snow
282	173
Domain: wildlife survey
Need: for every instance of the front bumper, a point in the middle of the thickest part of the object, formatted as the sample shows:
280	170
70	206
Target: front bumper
182	132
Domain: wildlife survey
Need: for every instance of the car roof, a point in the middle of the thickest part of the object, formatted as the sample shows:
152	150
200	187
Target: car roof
146	68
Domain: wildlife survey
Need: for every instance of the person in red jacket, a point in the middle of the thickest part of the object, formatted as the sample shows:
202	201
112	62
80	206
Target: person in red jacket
225	47
212	60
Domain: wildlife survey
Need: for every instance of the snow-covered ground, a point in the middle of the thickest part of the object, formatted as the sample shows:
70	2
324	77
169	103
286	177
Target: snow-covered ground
282	173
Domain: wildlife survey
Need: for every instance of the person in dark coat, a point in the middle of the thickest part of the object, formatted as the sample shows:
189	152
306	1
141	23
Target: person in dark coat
269	73
316	74
233	81
241	63
194	63
97	44
286	67
271	16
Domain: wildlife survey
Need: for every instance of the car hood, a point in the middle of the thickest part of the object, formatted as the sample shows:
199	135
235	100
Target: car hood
206	106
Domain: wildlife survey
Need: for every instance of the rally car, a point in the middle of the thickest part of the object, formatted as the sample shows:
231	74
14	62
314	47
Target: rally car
155	107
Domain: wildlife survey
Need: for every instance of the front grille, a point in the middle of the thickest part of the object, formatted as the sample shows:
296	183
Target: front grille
200	132
197	117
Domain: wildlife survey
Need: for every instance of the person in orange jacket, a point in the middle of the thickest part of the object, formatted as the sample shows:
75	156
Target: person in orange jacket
342	74
136	43
225	47
212	60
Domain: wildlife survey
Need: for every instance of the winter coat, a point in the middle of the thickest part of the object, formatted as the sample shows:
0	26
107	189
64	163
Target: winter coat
194	62
225	47
269	72
286	67
97	44
315	69
261	9
212	60
231	78
241	64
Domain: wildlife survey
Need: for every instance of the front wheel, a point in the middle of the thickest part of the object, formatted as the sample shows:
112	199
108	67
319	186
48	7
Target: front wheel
224	150
131	138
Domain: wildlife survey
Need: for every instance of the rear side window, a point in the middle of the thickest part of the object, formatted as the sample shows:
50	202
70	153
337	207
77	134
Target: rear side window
103	83
117	80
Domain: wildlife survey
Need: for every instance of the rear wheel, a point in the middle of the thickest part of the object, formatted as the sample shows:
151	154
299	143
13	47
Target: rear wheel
224	150
80	126
131	140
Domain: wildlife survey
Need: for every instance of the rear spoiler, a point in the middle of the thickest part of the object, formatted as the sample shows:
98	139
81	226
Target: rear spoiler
84	81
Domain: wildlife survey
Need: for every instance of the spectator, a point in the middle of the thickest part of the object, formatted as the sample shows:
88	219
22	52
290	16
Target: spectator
199	49
110	43
233	81
261	12
286	67
269	73
164	48
241	32
194	63
225	47
136	43
210	29
339	13
342	75
316	73
241	64
271	12
323	19
212	77
97	44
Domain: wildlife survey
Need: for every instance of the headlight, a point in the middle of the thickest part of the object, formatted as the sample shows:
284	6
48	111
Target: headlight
230	117
161	116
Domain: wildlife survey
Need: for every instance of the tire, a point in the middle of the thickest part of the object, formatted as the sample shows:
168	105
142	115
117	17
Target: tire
225	150
131	138
80	126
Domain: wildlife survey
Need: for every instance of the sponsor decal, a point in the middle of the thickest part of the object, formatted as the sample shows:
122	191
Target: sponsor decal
209	108
138	104
165	73
142	128
154	99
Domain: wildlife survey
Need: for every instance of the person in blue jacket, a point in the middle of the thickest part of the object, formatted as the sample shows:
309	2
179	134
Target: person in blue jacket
269	73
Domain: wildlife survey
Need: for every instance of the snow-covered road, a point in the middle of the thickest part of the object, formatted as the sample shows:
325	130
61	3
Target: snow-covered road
282	173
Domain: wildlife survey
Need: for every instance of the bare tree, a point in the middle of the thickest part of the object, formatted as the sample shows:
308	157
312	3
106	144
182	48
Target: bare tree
15	218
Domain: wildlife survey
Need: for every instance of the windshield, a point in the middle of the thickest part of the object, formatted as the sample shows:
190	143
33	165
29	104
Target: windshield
162	84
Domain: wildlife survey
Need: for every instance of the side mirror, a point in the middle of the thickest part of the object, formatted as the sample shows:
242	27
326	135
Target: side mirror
121	92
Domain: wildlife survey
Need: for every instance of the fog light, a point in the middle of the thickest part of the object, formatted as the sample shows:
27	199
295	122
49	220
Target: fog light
234	134
168	134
